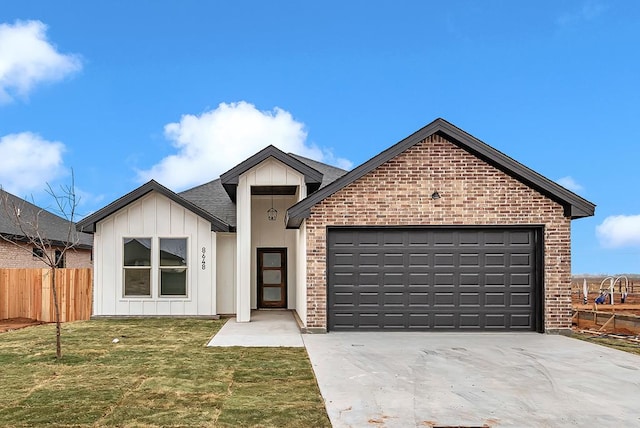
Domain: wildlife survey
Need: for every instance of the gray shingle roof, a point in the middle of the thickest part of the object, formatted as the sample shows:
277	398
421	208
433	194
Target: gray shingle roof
213	198
52	227
330	173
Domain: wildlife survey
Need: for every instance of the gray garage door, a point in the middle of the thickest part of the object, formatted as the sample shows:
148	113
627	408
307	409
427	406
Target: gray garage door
433	279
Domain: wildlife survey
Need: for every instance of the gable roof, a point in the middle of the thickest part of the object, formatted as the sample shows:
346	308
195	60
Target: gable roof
88	224
213	197
51	226
229	180
574	205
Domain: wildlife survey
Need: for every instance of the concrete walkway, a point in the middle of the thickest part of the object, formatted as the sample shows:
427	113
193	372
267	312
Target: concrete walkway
266	328
491	380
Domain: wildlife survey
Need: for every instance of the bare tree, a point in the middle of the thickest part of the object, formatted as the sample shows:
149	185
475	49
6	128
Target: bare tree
30	235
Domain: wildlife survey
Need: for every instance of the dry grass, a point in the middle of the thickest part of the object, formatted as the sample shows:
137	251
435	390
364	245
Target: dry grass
160	374
612	342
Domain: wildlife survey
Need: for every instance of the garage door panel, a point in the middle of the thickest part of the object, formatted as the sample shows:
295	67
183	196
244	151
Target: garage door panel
467	238
368	298
520	238
418	260
469	299
495	320
418	298
495	260
445	279
495	298
368	259
495	279
368	279
419	238
432	279
443	299
394	299
470	260
469	279
418	320
494	238
469	321
444	320
520	280
519	259
392	279
522	300
522	321
417	279
393	238
443	238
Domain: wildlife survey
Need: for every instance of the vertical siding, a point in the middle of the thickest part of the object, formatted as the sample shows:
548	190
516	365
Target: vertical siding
226	273
153	216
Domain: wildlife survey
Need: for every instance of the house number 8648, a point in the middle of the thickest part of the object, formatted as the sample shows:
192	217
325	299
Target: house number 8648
204	263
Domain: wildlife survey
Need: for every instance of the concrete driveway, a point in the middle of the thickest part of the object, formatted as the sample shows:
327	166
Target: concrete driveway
478	380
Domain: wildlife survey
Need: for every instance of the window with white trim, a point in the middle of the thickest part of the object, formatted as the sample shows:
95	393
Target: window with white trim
173	266
137	267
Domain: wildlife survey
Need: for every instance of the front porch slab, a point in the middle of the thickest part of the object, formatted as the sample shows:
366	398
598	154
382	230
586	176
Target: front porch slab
270	328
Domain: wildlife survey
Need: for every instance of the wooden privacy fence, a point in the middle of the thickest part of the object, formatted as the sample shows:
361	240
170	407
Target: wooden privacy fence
27	293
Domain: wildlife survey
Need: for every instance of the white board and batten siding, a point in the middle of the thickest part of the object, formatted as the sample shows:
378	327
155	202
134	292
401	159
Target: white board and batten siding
154	216
226	273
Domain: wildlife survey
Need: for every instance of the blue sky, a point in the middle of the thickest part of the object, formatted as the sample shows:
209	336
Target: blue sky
181	91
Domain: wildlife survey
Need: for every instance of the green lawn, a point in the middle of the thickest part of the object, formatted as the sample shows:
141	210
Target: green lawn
160	374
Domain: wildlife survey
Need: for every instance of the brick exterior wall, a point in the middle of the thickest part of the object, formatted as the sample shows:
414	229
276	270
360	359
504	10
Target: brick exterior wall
13	257
473	192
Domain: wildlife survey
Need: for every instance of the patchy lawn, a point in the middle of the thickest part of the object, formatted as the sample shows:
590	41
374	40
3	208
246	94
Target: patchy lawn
632	347
159	374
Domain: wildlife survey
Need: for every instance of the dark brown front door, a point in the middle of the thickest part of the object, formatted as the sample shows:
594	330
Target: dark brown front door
272	277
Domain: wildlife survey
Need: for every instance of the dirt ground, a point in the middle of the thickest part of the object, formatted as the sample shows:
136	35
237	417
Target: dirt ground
16	323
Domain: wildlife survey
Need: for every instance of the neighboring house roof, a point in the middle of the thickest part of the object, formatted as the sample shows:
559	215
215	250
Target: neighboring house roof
574	205
229	180
88	224
50	226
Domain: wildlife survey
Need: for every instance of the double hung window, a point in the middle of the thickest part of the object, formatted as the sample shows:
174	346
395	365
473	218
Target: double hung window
137	267
171	265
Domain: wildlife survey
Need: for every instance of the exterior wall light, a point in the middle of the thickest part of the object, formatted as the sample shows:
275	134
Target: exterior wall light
435	195
272	213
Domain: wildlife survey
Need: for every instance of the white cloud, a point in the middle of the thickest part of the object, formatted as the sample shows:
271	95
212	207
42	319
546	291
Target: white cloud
217	140
619	231
29	162
570	184
28	58
587	11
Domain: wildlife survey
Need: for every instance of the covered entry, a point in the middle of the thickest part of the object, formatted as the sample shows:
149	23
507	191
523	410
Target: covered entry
428	278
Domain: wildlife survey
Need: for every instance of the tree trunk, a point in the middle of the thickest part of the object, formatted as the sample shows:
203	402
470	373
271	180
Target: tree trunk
56	312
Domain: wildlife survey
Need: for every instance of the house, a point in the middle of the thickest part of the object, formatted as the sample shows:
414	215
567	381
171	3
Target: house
438	232
53	229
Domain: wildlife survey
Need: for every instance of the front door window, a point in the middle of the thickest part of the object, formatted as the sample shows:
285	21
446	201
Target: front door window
272	277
